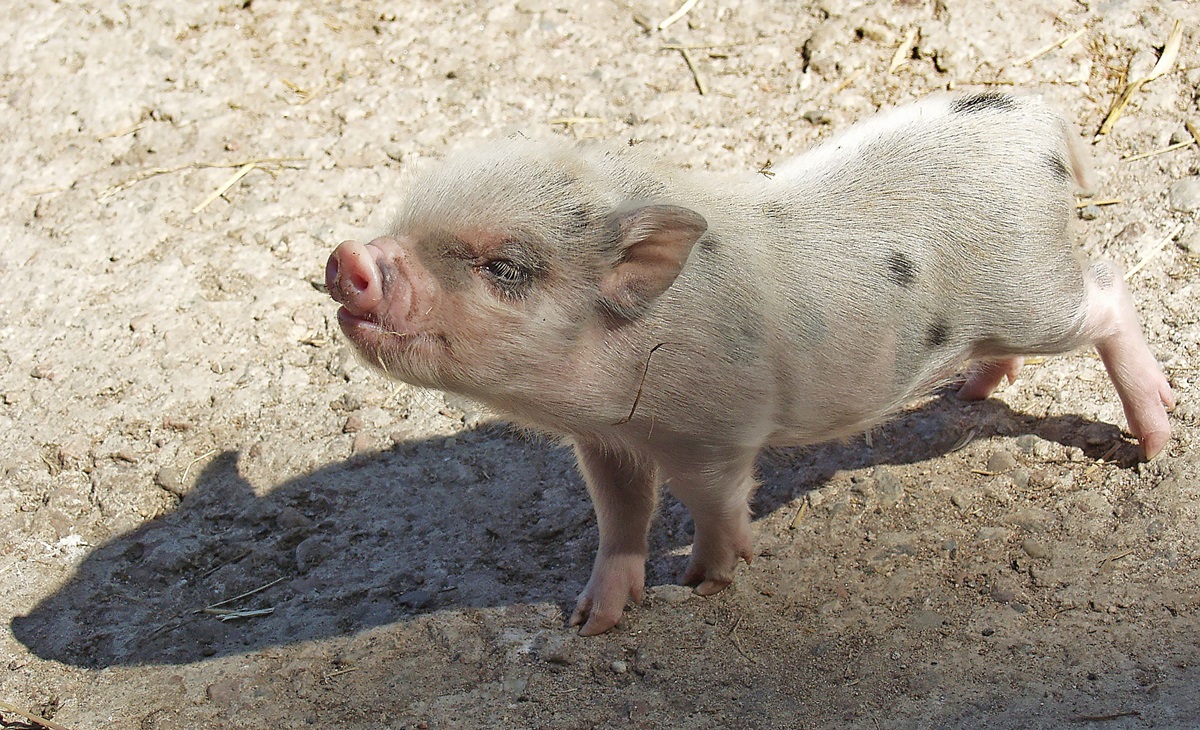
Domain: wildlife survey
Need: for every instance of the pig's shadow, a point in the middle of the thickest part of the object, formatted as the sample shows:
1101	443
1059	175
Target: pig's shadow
488	520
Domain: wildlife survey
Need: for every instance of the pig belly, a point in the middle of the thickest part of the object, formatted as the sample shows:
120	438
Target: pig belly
850	387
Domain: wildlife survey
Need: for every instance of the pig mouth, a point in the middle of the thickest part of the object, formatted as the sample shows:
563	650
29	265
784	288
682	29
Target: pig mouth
368	329
374	337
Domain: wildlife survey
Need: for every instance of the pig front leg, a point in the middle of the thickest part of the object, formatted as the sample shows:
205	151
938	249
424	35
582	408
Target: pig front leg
717	493
624	491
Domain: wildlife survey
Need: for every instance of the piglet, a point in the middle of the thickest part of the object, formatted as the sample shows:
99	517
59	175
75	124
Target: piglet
671	324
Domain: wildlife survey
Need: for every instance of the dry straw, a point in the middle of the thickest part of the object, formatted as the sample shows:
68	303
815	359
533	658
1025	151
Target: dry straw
36	720
1166	61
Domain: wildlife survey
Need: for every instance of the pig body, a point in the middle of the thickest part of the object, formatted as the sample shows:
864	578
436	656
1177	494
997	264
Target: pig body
673	324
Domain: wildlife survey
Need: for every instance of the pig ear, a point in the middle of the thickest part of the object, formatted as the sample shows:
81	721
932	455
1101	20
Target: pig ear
654	241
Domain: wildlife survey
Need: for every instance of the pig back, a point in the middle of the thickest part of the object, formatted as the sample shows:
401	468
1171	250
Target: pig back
869	268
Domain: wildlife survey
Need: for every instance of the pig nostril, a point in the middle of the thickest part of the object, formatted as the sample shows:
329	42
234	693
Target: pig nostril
360	283
331	272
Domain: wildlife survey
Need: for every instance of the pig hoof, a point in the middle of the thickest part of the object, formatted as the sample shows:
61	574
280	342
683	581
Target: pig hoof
711	587
593	620
708	579
603	601
1149	422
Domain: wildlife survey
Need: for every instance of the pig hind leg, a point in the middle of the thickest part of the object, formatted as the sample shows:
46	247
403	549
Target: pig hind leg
1112	325
986	376
1106	319
717	495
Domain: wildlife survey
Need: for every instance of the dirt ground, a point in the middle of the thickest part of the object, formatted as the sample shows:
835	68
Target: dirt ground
211	515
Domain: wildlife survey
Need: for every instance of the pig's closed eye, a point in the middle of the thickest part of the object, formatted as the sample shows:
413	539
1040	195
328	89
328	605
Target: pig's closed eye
511	277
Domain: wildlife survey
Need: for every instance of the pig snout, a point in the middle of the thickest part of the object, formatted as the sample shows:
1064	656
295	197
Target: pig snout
354	279
373	284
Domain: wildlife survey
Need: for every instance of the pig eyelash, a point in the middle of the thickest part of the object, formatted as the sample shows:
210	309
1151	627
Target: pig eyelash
508	276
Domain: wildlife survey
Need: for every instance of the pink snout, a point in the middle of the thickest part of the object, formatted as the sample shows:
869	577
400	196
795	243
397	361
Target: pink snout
353	278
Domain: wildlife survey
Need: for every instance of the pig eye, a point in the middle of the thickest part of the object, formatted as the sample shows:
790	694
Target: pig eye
509	276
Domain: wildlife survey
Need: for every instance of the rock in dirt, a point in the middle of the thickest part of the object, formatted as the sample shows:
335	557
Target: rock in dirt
824	49
923	620
671	594
1184	195
171	480
417	600
291	518
1030	520
888	487
1189	242
310	553
1001	462
991	533
557	649
1035	548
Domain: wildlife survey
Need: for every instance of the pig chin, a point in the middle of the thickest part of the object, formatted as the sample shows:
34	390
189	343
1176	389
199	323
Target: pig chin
413	357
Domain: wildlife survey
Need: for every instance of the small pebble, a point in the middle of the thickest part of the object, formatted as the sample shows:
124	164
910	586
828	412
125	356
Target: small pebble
1189	242
818	117
1184	194
1002	594
417	599
1035	548
922	620
171	480
43	372
354	423
671	594
362	443
310	553
75	454
290	517
1130	234
619	666
1089	212
873	30
991	533
1031	519
461	472
887	487
1001	462
824	49
126	455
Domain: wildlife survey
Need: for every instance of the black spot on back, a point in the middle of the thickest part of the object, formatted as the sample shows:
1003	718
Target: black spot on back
903	269
937	334
983	101
1058	167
